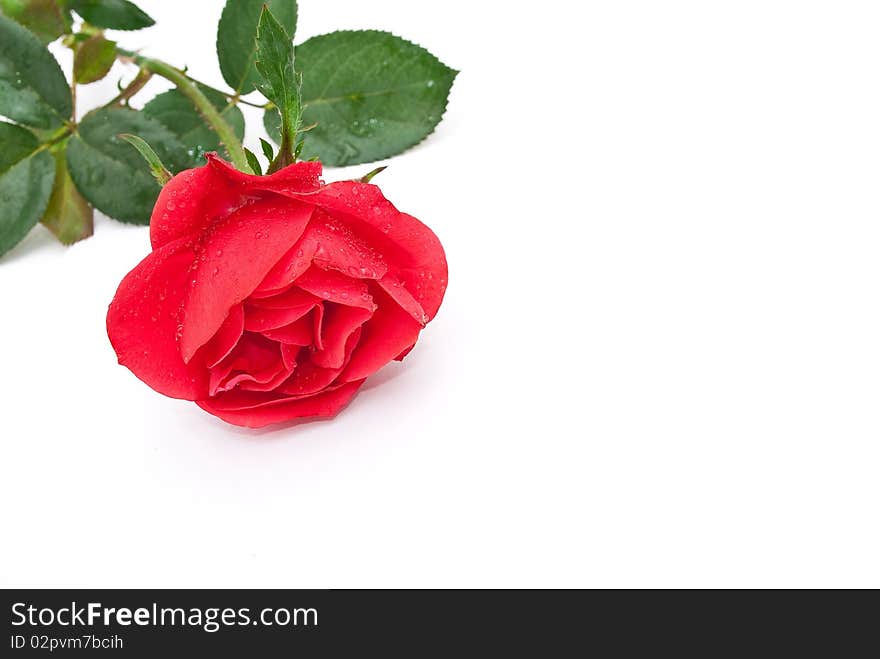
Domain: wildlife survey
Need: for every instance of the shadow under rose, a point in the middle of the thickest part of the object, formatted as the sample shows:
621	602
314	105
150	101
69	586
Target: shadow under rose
386	374
37	239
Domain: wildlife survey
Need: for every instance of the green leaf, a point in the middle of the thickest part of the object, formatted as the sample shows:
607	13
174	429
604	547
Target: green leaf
33	89
17	143
111	174
279	83
112	14
26	176
236	38
254	162
68	216
93	59
154	162
371	94
48	19
180	116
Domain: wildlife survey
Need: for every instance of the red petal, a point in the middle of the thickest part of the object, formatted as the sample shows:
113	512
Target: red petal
283	373
298	333
330	244
426	275
310	378
297	260
335	287
339	323
406	243
290	353
317	334
196	198
339	248
144	318
327	403
234	256
254	359
388	333
189	203
292	297
222	343
299	177
259	319
399	293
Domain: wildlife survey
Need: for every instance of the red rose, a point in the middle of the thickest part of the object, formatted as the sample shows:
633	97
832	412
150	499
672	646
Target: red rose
270	298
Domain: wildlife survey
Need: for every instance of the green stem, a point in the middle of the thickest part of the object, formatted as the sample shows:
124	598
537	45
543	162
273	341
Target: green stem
234	99
239	99
141	79
191	90
54	138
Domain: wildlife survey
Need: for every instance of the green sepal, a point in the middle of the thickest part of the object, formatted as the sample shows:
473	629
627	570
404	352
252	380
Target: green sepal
279	83
157	167
268	151
254	162
366	178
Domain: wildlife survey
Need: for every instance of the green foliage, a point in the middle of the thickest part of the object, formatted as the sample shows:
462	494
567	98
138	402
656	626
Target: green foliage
26	176
68	216
371	94
236	38
361	95
110	173
179	115
279	83
33	90
48	19
112	14
93	59
272	124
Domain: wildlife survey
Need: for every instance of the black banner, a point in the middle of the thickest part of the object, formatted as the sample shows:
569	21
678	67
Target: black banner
413	623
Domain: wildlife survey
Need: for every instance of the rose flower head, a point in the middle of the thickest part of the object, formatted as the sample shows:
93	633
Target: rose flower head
272	298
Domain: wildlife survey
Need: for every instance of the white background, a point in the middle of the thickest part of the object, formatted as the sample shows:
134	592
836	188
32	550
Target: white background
658	361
